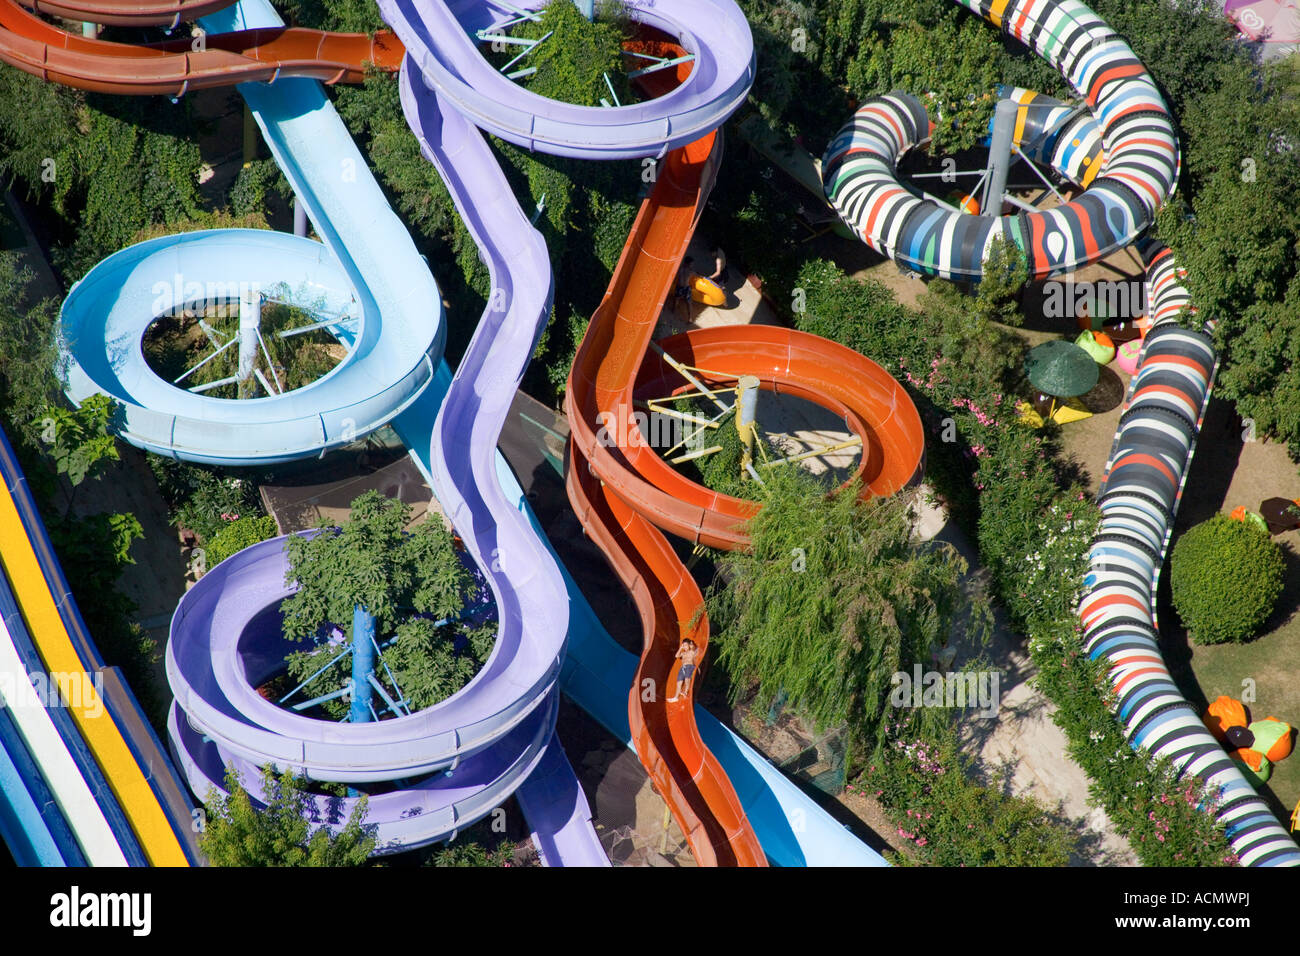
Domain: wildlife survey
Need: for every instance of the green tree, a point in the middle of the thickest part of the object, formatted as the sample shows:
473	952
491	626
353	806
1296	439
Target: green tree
845	577
27	353
578	55
78	439
237	833
413	583
104	166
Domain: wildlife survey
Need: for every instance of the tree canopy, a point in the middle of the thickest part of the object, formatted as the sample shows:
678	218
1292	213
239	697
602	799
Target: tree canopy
237	833
832	598
413	583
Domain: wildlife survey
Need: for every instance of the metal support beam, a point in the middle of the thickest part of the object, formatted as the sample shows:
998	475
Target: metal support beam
746	413
250	321
1000	146
661	65
363	664
685	373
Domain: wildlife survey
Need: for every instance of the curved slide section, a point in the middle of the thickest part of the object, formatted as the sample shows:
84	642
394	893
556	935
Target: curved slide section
1139	169
1139	496
381	280
461	457
107	313
175	67
127	13
638	490
107	792
475	748
439	35
685	773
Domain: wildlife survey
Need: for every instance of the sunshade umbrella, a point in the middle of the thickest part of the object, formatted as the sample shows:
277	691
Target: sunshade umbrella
1061	369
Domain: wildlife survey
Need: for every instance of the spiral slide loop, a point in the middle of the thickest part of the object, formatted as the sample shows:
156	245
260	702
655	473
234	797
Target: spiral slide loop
1139	171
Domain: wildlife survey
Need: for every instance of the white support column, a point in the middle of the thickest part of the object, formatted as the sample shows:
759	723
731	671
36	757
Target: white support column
746	413
250	321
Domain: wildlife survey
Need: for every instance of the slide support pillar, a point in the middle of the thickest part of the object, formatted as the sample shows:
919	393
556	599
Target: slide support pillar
1004	127
363	663
250	322
746	412
299	218
250	136
588	8
90	30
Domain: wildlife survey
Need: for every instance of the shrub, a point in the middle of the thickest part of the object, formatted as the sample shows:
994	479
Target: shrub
953	821
201	499
240	832
255	181
1226	576
238	535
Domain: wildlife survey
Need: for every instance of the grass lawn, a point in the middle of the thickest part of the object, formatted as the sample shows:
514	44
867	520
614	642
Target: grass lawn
1272	661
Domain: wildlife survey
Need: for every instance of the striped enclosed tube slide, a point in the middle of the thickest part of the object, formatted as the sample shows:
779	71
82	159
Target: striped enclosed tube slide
1138	159
1139	496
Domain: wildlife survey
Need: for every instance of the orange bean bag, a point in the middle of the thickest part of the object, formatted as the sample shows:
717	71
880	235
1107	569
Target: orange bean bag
1254	765
1272	738
1223	713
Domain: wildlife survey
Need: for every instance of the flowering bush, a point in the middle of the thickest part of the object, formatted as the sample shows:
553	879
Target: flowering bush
951	820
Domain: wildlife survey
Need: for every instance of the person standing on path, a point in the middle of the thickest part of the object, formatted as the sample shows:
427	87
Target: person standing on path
719	266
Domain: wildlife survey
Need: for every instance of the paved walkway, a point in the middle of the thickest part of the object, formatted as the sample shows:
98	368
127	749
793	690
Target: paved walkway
1023	741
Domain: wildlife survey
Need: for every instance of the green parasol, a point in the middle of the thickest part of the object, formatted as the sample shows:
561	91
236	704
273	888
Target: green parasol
1061	369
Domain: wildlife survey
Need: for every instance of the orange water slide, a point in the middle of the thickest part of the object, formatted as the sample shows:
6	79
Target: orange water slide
685	773
621	490
176	66
128	12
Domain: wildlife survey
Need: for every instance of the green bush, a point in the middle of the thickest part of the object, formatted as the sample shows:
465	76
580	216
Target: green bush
238	833
1226	576
257	180
238	535
580	58
952	820
203	500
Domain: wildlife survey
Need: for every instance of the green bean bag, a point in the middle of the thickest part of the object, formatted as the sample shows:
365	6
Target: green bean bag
1101	352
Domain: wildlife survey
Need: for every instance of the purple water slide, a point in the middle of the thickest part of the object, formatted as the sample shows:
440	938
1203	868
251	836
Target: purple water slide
532	602
420	812
441	36
225	640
